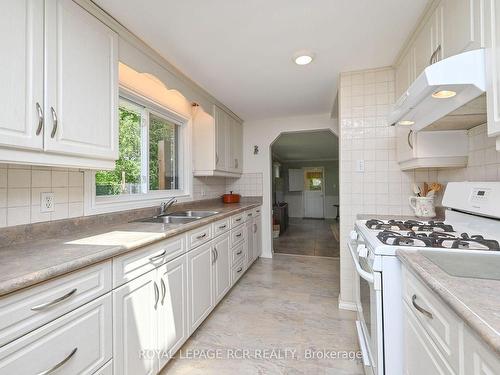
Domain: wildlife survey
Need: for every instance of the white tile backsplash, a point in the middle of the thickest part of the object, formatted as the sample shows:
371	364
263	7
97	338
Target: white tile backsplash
22	185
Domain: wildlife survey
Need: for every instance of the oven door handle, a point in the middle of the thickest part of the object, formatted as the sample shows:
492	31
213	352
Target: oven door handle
361	272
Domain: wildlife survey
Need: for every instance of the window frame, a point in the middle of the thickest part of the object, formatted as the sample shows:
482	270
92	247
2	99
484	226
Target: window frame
109	203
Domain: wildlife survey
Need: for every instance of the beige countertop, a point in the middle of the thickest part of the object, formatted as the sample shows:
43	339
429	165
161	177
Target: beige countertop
25	264
476	301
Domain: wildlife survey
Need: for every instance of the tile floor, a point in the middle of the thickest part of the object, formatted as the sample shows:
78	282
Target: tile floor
308	237
288	302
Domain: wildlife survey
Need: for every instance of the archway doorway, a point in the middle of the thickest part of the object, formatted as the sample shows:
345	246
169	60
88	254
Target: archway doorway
305	193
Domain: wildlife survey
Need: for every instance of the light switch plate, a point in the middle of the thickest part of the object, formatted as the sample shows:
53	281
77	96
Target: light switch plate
360	165
47	202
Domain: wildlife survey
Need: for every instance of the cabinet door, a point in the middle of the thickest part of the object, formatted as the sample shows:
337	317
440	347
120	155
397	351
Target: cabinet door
237	146
135	307
461	26
21	73
200	284
249	241
81	60
221	139
424	47
222	266
492	42
257	238
404	143
173	307
404	74
421	355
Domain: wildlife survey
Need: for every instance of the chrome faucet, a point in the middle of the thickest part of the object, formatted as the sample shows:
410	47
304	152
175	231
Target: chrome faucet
164	206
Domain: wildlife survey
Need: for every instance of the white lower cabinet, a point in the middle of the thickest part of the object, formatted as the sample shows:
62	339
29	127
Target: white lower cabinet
222	266
79	342
135	307
421	354
436	340
200	284
257	238
249	226
173	308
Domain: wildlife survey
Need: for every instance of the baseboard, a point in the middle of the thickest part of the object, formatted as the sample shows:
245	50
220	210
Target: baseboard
344	305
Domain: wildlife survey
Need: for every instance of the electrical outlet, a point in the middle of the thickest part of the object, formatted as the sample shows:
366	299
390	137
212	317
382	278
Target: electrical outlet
360	166
47	202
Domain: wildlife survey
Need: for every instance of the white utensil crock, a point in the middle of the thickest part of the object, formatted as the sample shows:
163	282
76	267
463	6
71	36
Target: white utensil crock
423	206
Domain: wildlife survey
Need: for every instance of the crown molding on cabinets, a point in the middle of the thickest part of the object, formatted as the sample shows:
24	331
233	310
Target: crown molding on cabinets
134	40
428	11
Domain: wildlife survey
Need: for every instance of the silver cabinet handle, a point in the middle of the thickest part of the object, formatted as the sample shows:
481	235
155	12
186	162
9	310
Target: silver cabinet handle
157	295
409	139
54	302
216	254
238	219
223	226
54	122
238	235
156	257
239	252
60	364
39	111
421	309
216	159
213	256
434	57
201	236
163	291
255	228
250	214
239	270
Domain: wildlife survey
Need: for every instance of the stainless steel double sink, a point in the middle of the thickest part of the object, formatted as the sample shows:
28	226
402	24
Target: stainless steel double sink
179	217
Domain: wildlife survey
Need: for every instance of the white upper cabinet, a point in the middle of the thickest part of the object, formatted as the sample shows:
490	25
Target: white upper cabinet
404	73
21	74
492	43
217	144
81	82
60	86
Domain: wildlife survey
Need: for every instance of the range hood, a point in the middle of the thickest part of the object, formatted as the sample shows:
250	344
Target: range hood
460	81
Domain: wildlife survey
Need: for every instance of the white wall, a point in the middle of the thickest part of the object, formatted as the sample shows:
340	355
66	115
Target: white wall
262	133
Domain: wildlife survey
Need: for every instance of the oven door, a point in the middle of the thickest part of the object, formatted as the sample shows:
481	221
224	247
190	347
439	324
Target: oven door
369	304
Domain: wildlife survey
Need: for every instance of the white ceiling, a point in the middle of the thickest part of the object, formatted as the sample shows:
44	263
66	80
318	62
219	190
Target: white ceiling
313	145
241	50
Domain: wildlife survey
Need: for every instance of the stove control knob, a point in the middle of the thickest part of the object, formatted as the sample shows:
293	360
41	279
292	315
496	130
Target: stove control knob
353	235
362	251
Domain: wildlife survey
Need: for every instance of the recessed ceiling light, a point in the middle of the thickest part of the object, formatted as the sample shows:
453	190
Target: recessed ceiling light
444	94
303	59
406	122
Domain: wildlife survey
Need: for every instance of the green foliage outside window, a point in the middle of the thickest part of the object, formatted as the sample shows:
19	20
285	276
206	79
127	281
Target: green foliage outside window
129	161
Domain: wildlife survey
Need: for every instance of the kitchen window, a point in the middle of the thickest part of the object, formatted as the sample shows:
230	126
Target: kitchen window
150	164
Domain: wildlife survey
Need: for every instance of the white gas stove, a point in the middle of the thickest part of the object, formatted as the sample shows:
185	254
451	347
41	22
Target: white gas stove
471	225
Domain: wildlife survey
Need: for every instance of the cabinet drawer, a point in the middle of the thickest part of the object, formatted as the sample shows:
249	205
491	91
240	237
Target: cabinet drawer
238	271
238	235
28	309
238	254
136	263
107	369
80	342
199	236
237	220
249	214
221	226
443	327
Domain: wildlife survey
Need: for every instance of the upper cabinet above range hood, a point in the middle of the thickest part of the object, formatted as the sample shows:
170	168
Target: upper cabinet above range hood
448	95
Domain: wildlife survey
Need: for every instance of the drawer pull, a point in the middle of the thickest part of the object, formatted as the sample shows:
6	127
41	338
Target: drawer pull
238	219
157	295
421	309
60	364
223	226
249	214
163	291
239	270
156	257
54	302
201	236
239	252
238	235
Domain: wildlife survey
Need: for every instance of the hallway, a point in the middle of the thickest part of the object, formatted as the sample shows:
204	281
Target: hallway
308	237
288	302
